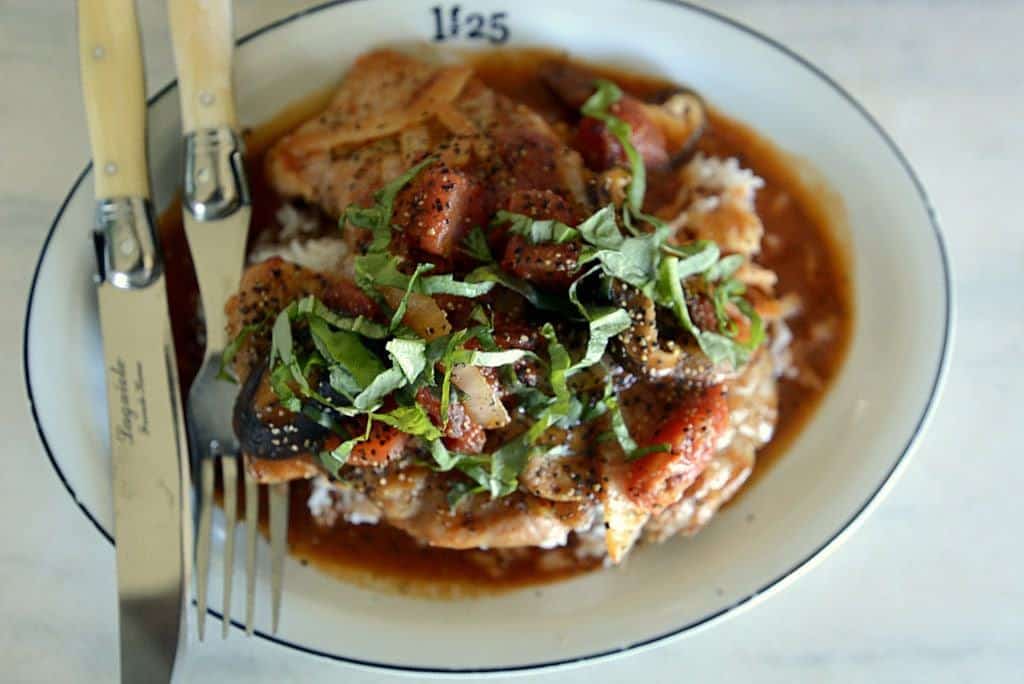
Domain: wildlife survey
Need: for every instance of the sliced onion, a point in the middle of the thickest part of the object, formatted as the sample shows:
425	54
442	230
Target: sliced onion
443	88
422	313
623	519
480	398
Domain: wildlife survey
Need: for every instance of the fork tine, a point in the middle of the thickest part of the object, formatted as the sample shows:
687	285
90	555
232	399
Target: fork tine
203	541
252	507
229	473
278	545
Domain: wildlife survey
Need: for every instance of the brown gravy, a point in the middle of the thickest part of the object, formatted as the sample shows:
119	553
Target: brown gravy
800	246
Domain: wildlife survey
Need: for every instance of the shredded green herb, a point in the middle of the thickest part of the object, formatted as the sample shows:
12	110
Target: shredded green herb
368	365
476	247
598	107
231	351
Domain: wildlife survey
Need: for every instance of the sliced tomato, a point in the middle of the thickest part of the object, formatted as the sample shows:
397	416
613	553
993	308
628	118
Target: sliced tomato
691	431
601	150
462	433
344	295
385	444
550	266
542	205
438	208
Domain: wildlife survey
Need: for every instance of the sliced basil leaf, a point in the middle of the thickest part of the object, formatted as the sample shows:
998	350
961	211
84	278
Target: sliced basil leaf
461	490
536	231
696	258
492	359
725	268
403	304
647	450
541	300
597	106
310	306
603	327
756	324
383	385
281	339
601	229
280	378
448	361
342	382
336	458
475	245
377	218
444	459
446	284
506	464
718	348
408	355
231	351
344	349
412	420
619	427
560	363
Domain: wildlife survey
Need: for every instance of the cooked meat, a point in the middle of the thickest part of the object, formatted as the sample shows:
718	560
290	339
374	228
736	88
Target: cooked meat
414	499
266	288
484	416
489	148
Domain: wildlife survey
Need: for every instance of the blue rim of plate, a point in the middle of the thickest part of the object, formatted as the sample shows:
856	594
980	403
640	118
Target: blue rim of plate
774	584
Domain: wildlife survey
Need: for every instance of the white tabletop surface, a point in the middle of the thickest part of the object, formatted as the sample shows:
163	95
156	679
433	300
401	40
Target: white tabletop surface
929	588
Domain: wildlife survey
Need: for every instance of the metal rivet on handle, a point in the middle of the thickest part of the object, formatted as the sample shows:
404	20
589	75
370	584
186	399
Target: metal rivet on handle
110	168
99	52
206	98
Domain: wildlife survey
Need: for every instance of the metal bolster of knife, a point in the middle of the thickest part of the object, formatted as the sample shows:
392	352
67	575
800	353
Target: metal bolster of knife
127	247
215	182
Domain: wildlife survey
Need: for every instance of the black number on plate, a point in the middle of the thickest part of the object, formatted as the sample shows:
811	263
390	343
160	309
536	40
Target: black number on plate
451	22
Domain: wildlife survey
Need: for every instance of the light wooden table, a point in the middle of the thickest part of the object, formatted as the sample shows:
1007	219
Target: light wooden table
929	589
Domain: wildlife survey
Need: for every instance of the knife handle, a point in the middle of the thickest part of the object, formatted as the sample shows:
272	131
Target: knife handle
110	56
203	37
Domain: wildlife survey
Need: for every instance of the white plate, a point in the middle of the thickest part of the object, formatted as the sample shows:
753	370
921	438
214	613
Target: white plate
831	476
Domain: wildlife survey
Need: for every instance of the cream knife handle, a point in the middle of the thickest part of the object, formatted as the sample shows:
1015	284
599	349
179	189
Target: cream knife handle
203	38
115	103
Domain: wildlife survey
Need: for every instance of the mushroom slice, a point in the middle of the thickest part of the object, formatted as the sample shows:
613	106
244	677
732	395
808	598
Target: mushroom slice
648	356
682	116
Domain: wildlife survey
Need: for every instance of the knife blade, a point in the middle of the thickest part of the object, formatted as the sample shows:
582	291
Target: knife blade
147	434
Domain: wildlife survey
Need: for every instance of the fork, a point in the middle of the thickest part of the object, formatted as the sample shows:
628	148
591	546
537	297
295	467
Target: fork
217	211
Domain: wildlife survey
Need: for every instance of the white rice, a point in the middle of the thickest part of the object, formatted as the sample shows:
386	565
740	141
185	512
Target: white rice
320	254
591	543
711	176
294	243
294	222
328	499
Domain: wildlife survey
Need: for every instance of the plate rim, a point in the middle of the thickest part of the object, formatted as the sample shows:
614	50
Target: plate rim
769	588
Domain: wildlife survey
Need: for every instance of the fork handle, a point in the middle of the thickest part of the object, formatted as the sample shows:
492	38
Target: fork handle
203	35
110	56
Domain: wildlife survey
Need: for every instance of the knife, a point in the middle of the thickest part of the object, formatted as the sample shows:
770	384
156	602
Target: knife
147	433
